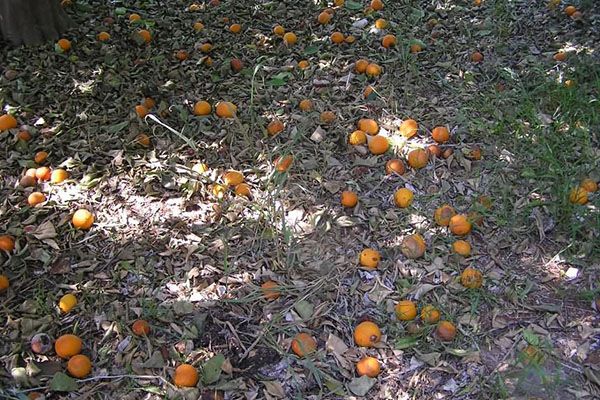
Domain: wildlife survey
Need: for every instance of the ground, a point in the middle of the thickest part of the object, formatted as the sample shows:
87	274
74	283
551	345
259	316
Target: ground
166	249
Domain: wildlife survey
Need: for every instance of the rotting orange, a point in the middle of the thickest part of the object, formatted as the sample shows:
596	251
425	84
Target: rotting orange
198	26
279	30
378	144
447	152
357	137
415	48
7	243
143	140
141	327
327	117
67	302
377	5
233	178
7	122
462	247
443	214
79	366
205	47
64	44
388	41
36	198
243	189
23	135
43	174
367	334
103	36
369	258
430	314
369	90
141	111
270	290
471	278
303	64
145	35
339	3
413	246
368	125
324	18
235	28
40	157
409	128
290	38
303	344
305	105
337	37
445	331
181	55
405	310
134	17
236	64
440	134
368	366
82	219
282	164
226	109
148	102
350	39
578	195
434	150
27	181
373	70
589	185
349	199
4	283
67	346
476	57
202	108
403	197
418	158
361	66
460	225
185	376
58	176
274	127
395	166
560	56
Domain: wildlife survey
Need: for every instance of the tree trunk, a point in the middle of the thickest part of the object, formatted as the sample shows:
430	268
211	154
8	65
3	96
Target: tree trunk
32	22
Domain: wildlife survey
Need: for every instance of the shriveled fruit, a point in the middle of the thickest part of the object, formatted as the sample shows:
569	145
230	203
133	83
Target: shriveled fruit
198	26
219	191
41	343
303	344
7	122
236	64
181	55
202	107
205	47
357	137
578	195
270	290
368	366
373	70
430	314
405	310
59	176
413	246
185	376
361	66
368	125
403	197
327	117
475	217
23	135
232	178
275	127
367	334
82	219
324	18
145	35
79	366
148	102
589	185
27	181
235	28
4	283
143	140
350	39
369	258
141	327
560	56
416	48
434	150
282	164
226	109
337	37
290	38
7	243
67	346
447	152
67	302
476	57
471	278
485	201
243	189
462	247
474	153
43	174
134	17
40	157
368	91
388	41
349	199
395	166
141	111
378	144
303	64
409	128
305	105
440	134
445	331
531	355
36	198
460	225
418	158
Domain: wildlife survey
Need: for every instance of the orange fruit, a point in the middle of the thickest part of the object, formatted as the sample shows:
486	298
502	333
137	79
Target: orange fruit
409	128
403	197
368	125
381	23
59	176
27	181
79	366
7	243
24	136
368	91
357	137
570	10
462	247
305	105
145	35
198	26
413	246
67	346
185	376
236	64
7	122
202	108
378	145
141	327
350	39
275	127
337	37
243	190
143	140
36	198
303	64
434	150
327	117
560	56
471	278
373	70
476	57
338	3
443	214
445	331
578	195
141	111
349	199
303	344
40	157
416	48
235	28
233	178
369	258
290	38
279	30
418	158
377	5
64	44
82	219
67	302
4	283
324	18
569	83
181	55
367	334
440	134
282	164
395	166
205	47
361	66
589	185
430	314
148	102
226	109
460	225
134	17
103	36
43	174
388	41
270	290
368	366
405	310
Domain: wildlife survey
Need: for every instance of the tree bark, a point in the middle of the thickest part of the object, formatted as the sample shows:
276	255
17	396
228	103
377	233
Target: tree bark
32	22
